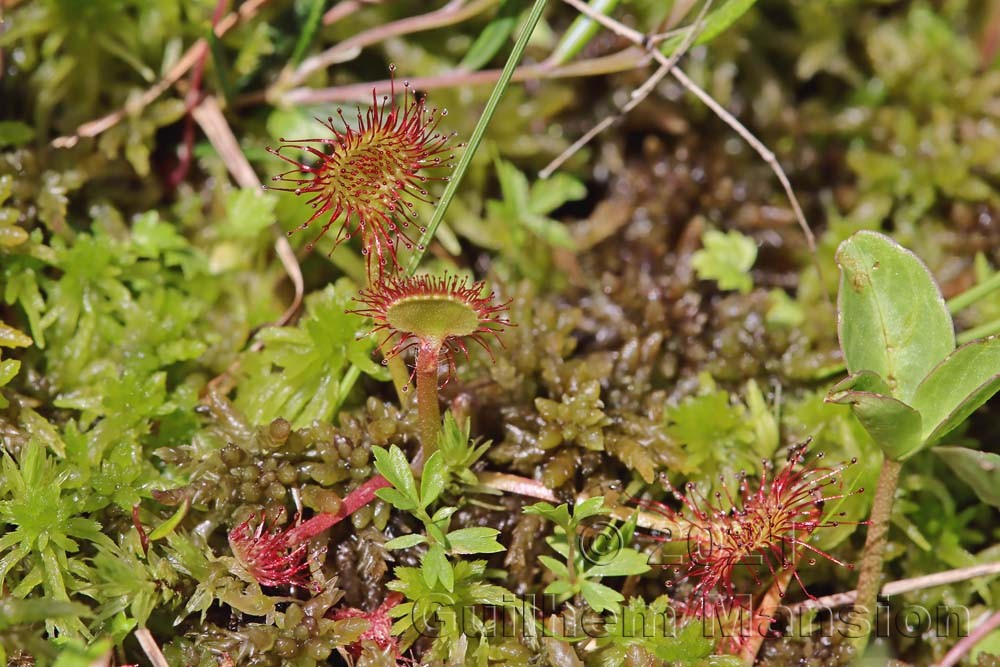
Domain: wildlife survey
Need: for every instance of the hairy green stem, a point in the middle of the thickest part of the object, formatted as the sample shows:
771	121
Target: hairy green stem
428	409
869	579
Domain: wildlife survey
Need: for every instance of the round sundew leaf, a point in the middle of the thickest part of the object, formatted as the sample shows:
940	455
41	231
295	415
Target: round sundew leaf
433	317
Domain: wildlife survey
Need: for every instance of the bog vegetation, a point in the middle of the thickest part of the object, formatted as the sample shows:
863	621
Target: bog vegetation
296	368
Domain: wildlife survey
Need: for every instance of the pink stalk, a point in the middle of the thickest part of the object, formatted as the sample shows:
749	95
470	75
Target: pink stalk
428	409
353	501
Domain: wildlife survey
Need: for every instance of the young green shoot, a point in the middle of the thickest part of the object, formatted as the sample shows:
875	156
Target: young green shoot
908	384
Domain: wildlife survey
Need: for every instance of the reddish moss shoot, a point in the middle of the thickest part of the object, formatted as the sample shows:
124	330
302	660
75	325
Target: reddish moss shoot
379	631
435	315
267	554
769	523
276	557
366	177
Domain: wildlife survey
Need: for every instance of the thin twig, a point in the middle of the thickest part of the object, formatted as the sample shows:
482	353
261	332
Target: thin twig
454	12
638	95
150	648
902	586
532	488
966	644
762	150
619	61
194	53
345	8
522	486
766	154
213	123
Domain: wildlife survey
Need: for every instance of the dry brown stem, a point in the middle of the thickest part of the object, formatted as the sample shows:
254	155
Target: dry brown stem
765	153
190	58
620	61
638	95
213	123
151	648
454	12
902	586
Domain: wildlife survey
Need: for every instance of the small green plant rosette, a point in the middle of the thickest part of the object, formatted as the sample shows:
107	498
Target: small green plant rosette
908	384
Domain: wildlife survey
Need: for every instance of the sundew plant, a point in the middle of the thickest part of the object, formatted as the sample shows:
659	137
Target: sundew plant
607	333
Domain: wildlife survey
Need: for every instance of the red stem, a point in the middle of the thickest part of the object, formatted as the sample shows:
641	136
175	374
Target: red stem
192	100
429	418
143	537
353	501
428	409
967	643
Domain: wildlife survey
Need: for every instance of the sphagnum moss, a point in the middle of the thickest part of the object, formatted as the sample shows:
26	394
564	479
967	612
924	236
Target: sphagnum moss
631	319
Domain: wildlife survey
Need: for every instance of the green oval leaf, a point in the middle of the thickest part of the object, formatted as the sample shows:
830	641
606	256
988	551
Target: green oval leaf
432	479
958	386
435	567
392	465
600	597
623	563
891	317
893	425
